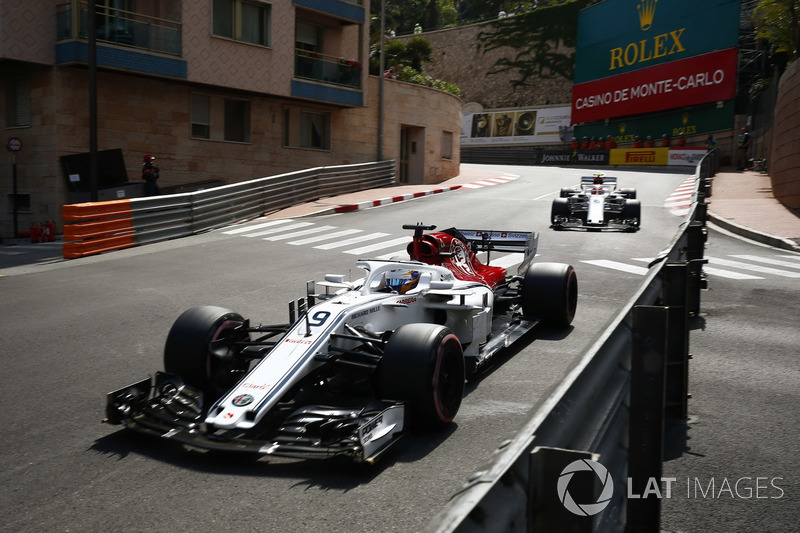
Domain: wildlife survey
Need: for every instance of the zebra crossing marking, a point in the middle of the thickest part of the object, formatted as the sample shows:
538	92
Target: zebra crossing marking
357	242
728	273
378	246
616	265
770	261
296	225
245	229
326	237
300	233
753	268
352	240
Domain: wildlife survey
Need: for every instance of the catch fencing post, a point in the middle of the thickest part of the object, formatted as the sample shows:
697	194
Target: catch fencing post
646	431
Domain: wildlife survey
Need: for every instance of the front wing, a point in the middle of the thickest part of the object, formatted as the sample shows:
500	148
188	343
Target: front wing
165	407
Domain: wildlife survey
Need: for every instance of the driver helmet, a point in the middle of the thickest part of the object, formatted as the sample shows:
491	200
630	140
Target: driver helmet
402	281
149	158
598	180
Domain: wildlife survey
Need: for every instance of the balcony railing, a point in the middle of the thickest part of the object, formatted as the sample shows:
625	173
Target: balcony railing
327	69
121	27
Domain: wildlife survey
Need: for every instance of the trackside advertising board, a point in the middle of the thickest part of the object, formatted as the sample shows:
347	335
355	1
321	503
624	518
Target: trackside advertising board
520	126
640	56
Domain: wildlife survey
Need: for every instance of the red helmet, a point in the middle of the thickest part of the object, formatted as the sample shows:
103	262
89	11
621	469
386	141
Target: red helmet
598	180
149	158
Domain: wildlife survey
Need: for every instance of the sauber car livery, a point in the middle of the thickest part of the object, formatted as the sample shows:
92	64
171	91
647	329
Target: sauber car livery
359	362
596	203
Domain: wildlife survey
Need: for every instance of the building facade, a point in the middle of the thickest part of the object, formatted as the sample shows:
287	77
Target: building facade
219	91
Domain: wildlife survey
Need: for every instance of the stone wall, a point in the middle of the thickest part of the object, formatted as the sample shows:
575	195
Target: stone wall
458	59
149	115
784	162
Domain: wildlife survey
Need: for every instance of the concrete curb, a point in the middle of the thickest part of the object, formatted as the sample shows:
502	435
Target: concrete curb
347	208
754	235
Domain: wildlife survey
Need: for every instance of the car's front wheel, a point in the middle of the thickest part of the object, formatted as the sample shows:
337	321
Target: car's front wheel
559	210
632	210
201	349
423	364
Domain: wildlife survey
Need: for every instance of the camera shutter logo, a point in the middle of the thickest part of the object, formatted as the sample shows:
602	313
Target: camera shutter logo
586	509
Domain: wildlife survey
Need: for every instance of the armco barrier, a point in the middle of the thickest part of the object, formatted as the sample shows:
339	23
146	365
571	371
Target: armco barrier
609	409
96	227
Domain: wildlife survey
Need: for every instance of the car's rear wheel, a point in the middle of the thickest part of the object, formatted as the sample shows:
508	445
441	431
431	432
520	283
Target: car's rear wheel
550	293
423	364
201	349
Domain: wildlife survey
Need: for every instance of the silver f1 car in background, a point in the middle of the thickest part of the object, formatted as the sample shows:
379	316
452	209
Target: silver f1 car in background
596	203
358	363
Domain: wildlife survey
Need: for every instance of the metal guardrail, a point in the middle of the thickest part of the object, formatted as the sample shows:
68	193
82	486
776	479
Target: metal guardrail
95	227
609	411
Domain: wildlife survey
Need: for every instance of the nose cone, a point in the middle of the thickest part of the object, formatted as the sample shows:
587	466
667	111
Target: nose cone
232	413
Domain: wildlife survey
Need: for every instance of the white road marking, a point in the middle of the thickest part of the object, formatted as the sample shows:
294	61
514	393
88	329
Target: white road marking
377	246
353	240
326	237
624	267
297	225
753	268
300	233
245	229
769	261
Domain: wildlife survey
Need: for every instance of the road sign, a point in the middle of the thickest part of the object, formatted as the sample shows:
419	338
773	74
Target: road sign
14	144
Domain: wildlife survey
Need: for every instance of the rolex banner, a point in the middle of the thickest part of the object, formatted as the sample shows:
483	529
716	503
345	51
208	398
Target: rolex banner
697	80
638	56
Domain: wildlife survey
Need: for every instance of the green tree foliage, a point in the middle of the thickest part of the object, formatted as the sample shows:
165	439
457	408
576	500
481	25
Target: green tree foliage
414	76
408	58
533	40
401	15
778	21
412	54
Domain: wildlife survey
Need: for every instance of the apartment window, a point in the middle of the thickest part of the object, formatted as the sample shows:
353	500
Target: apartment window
305	128
242	21
308	37
18	103
447	145
220	119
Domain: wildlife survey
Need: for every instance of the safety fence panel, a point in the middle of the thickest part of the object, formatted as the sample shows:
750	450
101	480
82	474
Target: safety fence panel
606	416
97	227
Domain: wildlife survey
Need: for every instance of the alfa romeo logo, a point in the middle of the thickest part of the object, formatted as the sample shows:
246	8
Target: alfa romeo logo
585	509
242	400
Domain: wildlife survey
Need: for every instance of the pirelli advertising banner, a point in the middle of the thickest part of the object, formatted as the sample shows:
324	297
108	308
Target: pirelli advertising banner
639	156
639	56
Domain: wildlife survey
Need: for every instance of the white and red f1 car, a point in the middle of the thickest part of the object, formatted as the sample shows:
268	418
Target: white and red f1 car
596	203
358	364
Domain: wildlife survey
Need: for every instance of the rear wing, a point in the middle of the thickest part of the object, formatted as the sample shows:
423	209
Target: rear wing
589	180
523	242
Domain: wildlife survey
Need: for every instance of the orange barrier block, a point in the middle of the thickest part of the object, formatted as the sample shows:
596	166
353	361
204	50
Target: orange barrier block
90	210
100	228
72	250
